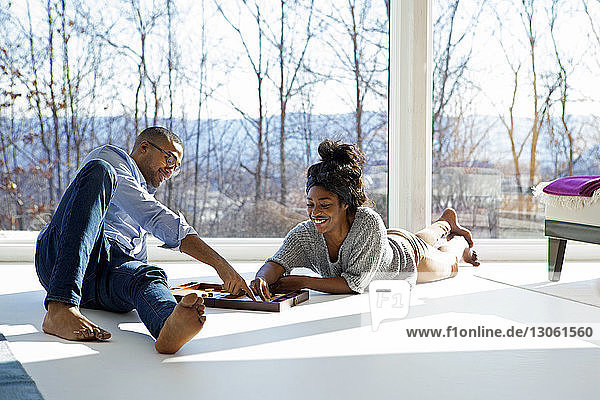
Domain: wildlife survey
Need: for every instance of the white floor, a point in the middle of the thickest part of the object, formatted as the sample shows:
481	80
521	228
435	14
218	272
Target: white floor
323	349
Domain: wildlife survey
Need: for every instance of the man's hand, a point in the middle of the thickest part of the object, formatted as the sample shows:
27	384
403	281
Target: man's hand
233	282
261	288
290	283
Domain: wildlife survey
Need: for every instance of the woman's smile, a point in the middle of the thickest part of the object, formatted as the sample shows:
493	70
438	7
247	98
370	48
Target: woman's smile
319	221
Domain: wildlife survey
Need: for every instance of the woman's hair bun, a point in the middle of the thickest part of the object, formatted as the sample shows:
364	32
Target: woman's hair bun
340	153
340	172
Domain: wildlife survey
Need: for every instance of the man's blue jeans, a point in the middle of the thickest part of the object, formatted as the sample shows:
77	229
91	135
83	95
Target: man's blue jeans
77	265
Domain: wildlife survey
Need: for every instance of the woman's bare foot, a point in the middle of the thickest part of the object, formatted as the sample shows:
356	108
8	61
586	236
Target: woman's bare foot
449	215
66	321
470	256
186	320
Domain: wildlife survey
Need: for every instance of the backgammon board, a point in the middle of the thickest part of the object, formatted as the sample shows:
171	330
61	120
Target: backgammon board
214	296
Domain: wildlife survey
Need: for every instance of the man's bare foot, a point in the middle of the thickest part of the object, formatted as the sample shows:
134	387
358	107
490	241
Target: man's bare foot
66	321
449	215
470	256
183	324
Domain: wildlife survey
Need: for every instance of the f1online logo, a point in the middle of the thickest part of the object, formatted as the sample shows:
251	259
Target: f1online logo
389	299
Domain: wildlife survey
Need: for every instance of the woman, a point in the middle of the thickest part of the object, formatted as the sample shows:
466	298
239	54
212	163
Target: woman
348	244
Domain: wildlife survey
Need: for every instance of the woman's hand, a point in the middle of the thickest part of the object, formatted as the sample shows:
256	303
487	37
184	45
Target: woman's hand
267	274
290	283
261	288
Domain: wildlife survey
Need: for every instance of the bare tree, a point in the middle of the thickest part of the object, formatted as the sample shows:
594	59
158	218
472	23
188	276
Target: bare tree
305	125
361	56
8	174
53	101
202	97
259	66
541	103
527	15
36	95
144	25
563	85
509	121
290	62
595	30
171	66
20	198
452	54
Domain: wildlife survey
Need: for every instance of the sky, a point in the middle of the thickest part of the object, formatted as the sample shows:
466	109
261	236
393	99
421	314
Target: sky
230	76
501	24
232	81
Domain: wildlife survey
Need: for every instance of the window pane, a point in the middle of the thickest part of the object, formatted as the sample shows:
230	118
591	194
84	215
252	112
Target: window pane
513	106
252	88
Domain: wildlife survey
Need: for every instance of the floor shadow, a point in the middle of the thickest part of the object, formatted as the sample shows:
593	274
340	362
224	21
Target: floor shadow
278	333
23	308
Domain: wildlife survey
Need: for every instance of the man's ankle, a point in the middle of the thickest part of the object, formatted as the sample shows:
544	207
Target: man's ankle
55	305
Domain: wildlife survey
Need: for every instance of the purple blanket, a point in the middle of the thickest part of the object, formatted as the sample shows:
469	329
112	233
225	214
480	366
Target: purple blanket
574	186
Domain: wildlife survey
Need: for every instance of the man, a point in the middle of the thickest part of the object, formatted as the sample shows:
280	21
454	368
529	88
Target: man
92	253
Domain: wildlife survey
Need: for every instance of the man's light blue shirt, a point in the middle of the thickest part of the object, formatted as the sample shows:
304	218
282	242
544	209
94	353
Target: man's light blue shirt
133	211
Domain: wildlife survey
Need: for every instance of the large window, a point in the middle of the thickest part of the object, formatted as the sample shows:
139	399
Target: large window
252	87
515	98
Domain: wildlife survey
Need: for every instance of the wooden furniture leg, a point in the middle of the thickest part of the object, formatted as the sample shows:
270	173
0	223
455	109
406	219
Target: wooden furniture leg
556	255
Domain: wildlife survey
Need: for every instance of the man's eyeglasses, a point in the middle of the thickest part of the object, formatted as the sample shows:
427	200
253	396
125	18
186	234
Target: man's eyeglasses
171	160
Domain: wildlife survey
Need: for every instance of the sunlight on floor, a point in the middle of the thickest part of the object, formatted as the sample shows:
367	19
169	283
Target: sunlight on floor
391	338
31	352
329	334
15	330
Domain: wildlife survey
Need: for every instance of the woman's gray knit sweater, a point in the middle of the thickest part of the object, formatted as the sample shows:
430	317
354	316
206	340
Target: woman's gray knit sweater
366	254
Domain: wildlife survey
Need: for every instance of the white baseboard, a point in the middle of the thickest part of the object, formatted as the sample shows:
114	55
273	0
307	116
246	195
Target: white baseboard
19	247
532	250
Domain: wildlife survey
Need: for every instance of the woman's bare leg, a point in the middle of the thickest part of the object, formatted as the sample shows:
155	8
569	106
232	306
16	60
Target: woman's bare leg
446	226
441	263
434	232
437	261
